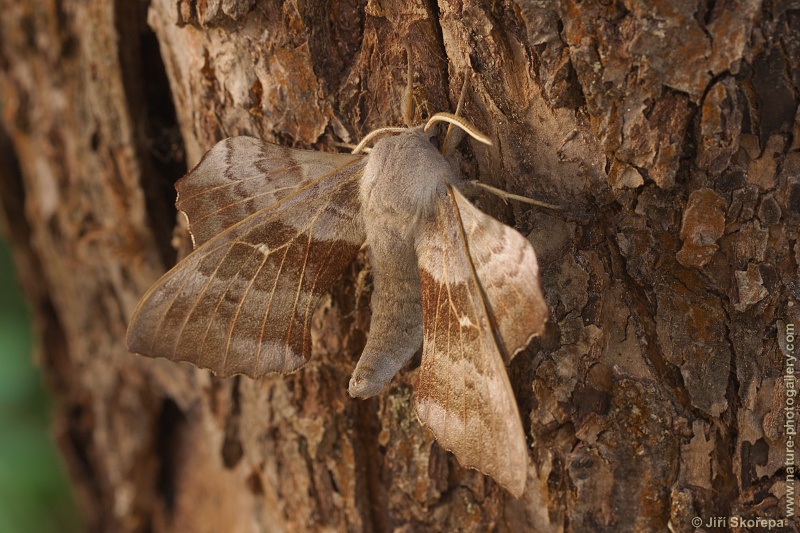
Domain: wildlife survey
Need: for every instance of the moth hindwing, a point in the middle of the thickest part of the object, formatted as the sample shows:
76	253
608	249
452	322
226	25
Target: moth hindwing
275	227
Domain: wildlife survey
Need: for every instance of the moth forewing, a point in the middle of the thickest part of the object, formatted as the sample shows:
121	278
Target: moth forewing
240	176
463	394
242	301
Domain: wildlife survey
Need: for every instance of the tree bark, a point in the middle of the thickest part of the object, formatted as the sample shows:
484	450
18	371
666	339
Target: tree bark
668	132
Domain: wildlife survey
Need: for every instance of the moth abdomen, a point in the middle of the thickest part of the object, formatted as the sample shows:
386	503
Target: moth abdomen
395	332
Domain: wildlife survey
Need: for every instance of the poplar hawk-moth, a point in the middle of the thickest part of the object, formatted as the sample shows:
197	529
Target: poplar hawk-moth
274	227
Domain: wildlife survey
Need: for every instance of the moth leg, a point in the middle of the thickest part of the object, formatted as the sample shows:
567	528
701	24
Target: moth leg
505	196
395	332
408	94
454	135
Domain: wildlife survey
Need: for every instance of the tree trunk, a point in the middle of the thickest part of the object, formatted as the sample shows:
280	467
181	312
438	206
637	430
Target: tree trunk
667	131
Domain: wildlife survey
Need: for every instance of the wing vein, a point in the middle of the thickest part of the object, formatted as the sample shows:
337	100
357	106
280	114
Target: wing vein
285	249
220	300
244	297
298	290
194	303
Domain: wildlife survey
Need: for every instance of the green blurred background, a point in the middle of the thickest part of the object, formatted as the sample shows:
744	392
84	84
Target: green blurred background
34	494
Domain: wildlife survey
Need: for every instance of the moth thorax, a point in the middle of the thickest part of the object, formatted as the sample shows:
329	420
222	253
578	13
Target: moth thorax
404	176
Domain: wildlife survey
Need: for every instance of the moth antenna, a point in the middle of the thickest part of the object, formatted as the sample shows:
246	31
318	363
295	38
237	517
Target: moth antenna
510	196
454	136
461	123
350	146
374	133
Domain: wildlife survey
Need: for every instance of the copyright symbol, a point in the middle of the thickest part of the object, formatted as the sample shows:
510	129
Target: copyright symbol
697	521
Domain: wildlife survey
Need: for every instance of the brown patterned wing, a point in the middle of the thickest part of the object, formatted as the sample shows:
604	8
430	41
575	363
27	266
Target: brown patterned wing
463	393
242	302
506	266
240	176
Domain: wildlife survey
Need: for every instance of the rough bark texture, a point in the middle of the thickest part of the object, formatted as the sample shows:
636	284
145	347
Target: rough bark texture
668	131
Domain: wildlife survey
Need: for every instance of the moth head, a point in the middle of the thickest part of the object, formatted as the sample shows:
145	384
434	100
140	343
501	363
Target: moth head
448	145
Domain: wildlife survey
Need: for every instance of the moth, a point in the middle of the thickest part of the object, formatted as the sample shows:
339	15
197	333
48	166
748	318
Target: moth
274	227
